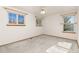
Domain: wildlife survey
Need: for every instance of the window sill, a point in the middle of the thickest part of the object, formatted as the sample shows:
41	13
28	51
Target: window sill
16	25
69	32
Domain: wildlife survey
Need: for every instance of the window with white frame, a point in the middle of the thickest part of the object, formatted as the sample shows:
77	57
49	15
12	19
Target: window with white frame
69	23
15	19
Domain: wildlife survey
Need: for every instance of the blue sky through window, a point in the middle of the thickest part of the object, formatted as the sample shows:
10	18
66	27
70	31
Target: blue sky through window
20	19
12	17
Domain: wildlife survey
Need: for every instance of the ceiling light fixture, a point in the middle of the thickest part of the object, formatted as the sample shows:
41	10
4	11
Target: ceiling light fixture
43	11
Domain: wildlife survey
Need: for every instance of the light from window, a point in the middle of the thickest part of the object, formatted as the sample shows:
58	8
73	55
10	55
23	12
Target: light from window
15	19
20	19
12	18
69	23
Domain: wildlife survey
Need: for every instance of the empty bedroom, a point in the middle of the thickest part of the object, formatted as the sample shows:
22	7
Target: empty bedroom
39	29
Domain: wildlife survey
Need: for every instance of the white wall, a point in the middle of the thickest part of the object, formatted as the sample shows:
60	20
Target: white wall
78	26
52	26
10	34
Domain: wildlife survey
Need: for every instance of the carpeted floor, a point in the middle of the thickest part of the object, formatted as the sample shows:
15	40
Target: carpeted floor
37	44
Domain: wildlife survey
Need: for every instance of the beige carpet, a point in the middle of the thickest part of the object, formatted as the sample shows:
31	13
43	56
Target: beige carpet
37	44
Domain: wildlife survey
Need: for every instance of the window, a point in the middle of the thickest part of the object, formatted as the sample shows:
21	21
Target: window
20	19
69	22
38	22
12	18
15	19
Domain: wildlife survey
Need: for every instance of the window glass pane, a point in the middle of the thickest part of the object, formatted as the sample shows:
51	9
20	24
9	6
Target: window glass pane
38	22
69	23
20	19
68	27
69	19
12	18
